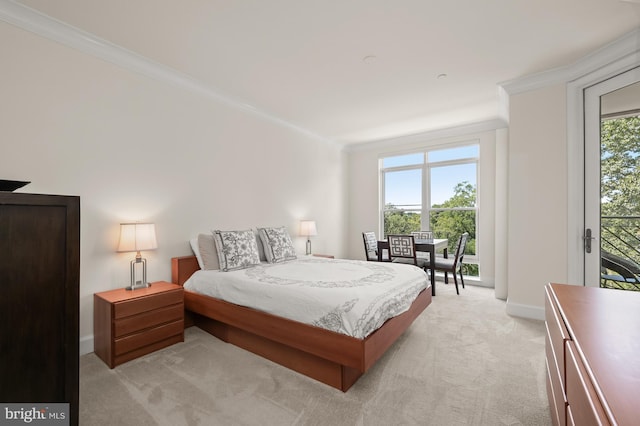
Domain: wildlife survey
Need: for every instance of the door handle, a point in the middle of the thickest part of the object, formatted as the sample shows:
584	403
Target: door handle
587	240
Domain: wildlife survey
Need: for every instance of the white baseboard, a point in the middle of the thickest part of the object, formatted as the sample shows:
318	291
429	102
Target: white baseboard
86	345
525	311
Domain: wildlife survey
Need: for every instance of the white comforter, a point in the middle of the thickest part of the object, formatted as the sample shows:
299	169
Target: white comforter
351	297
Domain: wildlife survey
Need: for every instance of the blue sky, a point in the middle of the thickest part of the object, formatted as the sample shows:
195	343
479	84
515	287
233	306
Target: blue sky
405	187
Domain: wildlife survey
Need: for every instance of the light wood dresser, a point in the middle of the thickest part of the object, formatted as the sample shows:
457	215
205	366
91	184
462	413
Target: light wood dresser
593	355
130	323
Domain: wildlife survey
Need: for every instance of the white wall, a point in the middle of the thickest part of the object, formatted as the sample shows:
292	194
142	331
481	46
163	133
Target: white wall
136	148
537	197
502	214
364	187
545	176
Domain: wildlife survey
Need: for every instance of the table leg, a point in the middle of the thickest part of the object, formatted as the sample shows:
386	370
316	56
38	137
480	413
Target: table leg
432	262
382	246
446	277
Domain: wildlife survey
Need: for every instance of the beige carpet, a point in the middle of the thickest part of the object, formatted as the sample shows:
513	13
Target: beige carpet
463	362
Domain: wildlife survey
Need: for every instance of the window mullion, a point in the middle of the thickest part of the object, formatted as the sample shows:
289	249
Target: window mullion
426	197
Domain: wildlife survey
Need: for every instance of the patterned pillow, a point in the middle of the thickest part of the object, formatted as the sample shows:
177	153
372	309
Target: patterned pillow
277	244
236	249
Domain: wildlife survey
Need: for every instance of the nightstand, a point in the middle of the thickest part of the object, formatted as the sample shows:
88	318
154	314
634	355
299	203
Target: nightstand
130	323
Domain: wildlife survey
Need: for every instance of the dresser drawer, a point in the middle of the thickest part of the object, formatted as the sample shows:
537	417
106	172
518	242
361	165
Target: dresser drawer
553	407
555	386
148	319
570	421
585	406
142	304
557	332
138	340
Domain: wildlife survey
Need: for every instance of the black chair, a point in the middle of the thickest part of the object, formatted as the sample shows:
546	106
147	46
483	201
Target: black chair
626	271
371	247
453	264
402	249
422	235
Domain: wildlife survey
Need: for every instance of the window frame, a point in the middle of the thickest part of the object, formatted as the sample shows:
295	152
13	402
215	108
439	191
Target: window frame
382	208
425	167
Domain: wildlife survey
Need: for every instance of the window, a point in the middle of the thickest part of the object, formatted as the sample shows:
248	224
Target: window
433	190
402	181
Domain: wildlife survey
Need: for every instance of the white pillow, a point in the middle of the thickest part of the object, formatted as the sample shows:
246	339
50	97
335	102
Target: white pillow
208	251
277	244
236	249
196	251
204	248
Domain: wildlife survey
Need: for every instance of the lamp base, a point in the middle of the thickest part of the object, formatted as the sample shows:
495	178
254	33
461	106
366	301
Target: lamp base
138	285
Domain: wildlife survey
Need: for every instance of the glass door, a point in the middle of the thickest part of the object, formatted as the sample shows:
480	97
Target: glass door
612	183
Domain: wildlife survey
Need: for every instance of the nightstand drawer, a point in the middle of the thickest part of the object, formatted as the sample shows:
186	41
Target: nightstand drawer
131	324
148	337
142	304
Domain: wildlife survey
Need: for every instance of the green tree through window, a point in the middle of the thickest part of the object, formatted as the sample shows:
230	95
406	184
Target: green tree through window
449	219
620	187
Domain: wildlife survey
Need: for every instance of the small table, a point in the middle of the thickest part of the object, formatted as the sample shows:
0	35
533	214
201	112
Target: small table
429	246
130	323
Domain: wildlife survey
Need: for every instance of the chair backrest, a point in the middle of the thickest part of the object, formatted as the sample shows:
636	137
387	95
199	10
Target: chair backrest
624	267
402	246
462	244
422	235
370	245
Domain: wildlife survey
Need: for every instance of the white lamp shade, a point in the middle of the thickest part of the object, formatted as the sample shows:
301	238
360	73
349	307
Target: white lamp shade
308	228
137	237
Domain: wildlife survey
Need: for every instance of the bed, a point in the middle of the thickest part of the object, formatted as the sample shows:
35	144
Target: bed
331	357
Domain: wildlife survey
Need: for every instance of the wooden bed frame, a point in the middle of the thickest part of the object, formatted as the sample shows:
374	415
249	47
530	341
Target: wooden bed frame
332	358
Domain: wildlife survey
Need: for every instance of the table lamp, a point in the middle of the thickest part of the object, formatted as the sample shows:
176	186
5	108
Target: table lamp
308	229
137	237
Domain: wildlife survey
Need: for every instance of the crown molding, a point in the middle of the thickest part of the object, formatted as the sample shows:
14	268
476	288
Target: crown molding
45	26
438	134
31	20
627	45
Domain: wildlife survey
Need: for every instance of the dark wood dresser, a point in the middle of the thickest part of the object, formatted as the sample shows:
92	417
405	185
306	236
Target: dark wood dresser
39	303
593	355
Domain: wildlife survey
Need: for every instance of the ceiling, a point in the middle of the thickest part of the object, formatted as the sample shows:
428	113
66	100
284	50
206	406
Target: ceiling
356	70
